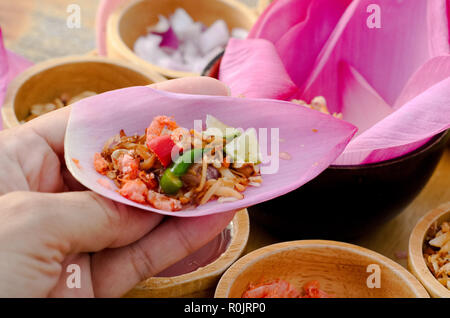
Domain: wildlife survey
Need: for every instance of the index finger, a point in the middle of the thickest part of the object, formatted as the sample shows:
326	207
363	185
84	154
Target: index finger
52	126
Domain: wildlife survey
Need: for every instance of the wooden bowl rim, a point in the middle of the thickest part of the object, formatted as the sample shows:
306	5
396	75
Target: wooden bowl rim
229	277
113	36
236	247
416	262
8	112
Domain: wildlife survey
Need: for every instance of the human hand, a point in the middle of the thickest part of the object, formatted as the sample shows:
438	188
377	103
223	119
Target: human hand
48	220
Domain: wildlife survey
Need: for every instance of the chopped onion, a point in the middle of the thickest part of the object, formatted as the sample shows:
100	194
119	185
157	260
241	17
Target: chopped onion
182	44
228	192
162	26
226	199
215	36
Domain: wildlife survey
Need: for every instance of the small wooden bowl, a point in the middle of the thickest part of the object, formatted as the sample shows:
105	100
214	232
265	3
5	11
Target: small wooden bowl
262	5
202	281
45	81
416	262
131	21
340	268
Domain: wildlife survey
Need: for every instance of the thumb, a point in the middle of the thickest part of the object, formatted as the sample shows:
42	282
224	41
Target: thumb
77	222
197	85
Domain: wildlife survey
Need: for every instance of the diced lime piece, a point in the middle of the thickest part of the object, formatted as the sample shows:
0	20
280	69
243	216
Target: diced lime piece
245	148
215	127
213	122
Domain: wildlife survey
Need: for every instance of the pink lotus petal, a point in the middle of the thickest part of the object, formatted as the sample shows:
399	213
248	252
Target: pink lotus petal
3	69
432	72
448	20
278	18
17	64
387	56
169	39
312	139
299	47
105	8
403	131
362	106
438	25
11	65
252	68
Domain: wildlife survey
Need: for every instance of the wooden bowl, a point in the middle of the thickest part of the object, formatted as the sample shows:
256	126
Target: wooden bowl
186	278
359	198
131	21
262	5
45	81
416	262
341	269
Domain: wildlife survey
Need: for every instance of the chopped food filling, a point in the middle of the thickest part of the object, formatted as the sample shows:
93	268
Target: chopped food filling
436	252
318	103
282	289
172	168
180	43
59	102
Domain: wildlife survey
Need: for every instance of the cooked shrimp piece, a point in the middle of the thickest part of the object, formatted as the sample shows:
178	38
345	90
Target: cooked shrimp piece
100	164
157	126
149	179
129	166
163	202
275	289
312	290
134	190
181	137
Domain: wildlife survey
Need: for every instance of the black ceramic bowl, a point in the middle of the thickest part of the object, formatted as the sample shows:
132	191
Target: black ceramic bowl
346	201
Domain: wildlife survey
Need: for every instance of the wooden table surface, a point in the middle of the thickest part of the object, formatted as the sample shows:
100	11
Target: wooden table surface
37	30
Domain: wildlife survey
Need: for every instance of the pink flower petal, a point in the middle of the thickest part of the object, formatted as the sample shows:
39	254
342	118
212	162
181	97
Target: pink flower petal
105	8
432	72
313	140
17	64
11	65
278	18
252	68
3	69
439	25
362	106
385	56
448	20
301	44
404	130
